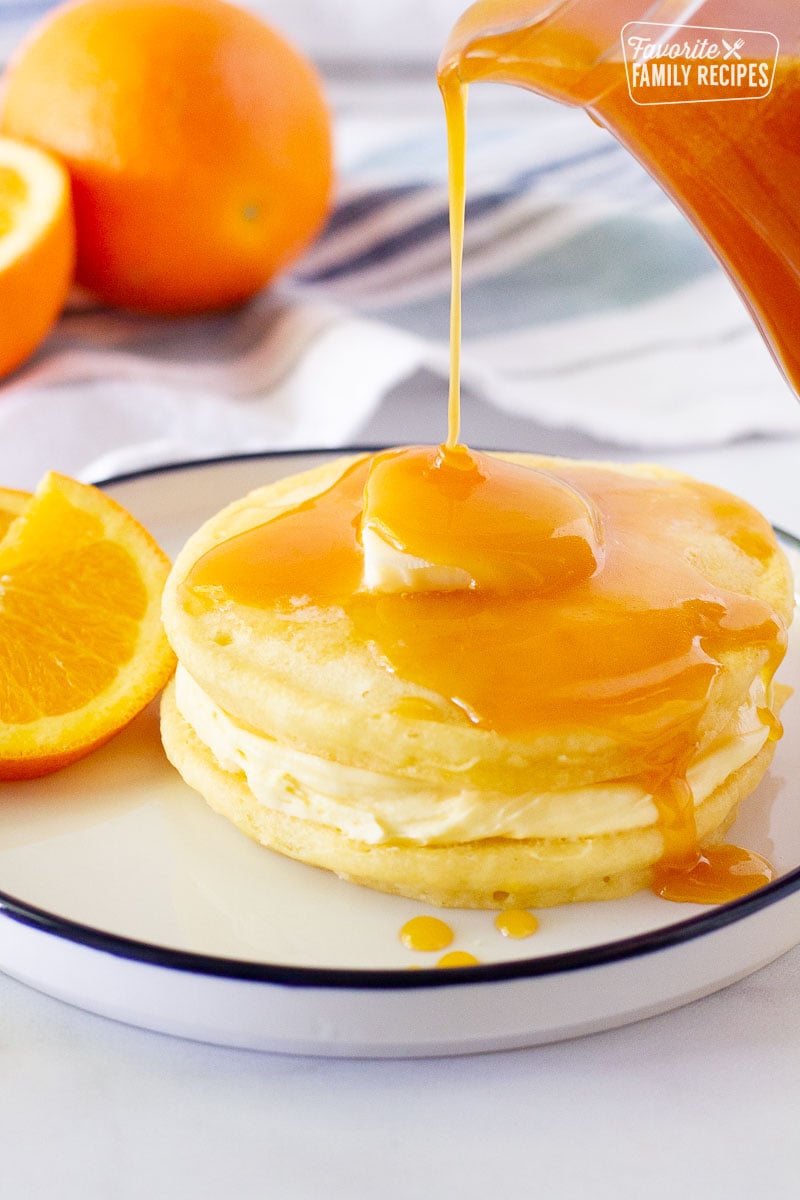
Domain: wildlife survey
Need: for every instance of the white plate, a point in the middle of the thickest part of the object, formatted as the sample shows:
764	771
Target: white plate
122	893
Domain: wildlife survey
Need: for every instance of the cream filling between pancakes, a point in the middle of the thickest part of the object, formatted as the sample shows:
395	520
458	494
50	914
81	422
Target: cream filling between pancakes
375	808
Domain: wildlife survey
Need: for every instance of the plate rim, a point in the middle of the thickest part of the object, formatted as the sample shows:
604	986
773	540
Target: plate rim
381	979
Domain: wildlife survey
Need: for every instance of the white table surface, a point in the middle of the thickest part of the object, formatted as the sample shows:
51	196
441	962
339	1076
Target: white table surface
704	1101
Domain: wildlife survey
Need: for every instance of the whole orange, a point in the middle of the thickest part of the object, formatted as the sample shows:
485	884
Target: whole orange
197	139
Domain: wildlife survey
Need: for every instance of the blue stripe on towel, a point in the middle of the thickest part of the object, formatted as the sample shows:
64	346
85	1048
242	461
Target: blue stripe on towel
615	264
351	212
368	206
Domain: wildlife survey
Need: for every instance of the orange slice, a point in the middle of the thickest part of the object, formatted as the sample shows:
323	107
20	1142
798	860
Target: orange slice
82	650
12	505
37	248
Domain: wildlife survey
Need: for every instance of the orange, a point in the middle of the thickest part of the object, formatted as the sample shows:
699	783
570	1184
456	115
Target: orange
81	645
197	139
37	248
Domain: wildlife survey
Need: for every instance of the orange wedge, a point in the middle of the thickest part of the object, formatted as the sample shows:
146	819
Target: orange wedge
82	650
37	248
12	505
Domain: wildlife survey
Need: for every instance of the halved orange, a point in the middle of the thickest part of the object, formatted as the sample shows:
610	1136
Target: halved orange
82	650
37	248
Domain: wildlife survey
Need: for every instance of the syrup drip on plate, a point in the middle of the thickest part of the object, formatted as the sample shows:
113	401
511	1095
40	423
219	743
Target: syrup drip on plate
426	933
516	923
458	958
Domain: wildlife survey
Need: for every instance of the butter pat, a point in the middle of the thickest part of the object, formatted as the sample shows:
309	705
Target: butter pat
389	569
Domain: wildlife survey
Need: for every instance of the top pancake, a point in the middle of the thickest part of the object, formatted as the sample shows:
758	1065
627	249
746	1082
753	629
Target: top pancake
309	683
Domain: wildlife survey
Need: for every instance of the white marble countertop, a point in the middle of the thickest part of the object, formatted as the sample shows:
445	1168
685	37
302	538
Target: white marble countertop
701	1101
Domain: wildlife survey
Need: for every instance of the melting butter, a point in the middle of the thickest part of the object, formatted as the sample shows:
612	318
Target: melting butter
443	519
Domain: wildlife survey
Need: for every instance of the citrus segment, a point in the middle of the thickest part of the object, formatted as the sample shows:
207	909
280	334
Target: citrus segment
12	505
37	248
81	645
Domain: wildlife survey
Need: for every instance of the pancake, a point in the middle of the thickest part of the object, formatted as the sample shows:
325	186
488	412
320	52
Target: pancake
293	724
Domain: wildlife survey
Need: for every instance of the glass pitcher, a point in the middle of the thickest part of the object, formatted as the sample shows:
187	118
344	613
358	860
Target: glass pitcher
704	93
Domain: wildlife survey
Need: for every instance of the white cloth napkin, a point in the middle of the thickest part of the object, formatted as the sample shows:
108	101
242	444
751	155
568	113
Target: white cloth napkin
589	304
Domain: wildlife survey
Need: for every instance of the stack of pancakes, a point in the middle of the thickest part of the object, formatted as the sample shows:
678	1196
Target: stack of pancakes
296	730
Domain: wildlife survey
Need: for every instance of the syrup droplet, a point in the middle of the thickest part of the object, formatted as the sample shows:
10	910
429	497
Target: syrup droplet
516	923
458	958
426	933
674	801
